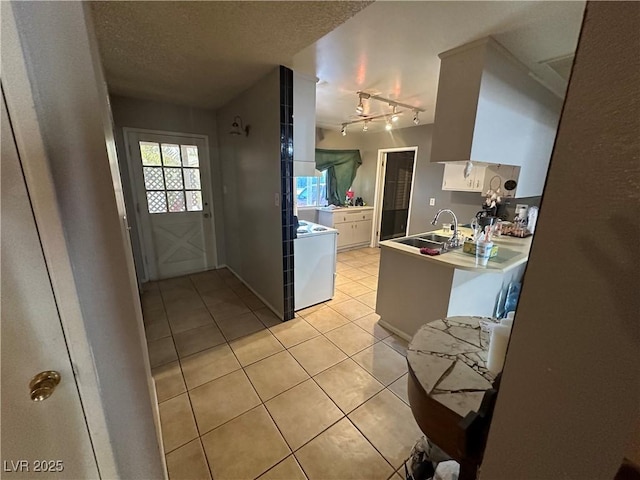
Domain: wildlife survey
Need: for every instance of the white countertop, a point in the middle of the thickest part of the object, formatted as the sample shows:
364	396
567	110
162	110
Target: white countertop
512	251
342	209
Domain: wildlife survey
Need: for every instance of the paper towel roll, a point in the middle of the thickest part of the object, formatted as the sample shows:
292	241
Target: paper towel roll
498	348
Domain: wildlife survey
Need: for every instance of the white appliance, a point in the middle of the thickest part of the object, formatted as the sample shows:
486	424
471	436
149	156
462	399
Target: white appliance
314	264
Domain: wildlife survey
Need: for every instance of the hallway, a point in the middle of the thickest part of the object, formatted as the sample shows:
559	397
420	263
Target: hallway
244	396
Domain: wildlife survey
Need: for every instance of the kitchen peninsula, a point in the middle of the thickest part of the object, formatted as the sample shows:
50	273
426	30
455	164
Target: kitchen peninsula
414	289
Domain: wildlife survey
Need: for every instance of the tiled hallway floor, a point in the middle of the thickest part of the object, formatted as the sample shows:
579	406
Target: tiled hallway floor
244	396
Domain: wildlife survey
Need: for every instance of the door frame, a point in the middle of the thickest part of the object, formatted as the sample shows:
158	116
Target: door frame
142	219
28	135
379	191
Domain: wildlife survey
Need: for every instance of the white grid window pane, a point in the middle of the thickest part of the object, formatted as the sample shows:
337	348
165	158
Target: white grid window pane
176	201
150	153
173	178
190	156
156	202
194	201
153	179
170	155
192	178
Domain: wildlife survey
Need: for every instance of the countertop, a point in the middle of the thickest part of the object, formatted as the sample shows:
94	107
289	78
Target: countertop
448	357
512	251
342	209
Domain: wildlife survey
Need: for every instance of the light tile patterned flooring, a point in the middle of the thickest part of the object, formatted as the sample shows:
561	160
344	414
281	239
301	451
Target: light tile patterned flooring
244	396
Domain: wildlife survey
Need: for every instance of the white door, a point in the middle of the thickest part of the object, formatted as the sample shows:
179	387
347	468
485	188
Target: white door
171	177
48	438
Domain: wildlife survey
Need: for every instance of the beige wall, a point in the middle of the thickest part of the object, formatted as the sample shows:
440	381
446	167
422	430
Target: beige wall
428	176
251	179
73	116
568	404
145	114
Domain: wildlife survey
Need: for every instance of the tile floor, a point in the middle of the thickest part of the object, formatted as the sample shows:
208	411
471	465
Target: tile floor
245	396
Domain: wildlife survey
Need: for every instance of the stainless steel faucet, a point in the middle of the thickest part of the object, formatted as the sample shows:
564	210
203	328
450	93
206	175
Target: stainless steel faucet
454	241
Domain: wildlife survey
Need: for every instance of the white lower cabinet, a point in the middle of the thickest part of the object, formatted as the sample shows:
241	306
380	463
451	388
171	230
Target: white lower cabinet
353	224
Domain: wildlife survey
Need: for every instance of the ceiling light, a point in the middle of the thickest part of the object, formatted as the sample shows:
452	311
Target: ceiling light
360	107
416	119
394	116
365	127
388	126
344	130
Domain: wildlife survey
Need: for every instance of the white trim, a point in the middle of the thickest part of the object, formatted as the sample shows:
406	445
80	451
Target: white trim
379	191
142	218
393	329
35	164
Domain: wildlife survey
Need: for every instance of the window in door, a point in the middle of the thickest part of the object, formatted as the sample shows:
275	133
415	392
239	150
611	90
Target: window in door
171	177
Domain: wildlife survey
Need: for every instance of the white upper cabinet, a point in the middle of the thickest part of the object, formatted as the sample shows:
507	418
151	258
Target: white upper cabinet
304	125
453	178
490	110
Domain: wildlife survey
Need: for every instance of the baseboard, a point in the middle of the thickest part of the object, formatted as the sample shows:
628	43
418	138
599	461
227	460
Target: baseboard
399	333
267	304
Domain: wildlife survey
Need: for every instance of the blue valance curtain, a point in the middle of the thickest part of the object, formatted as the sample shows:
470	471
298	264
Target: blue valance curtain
341	166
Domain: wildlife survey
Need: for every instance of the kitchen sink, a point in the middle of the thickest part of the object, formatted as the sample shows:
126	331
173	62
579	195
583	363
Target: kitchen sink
428	240
434	237
421	242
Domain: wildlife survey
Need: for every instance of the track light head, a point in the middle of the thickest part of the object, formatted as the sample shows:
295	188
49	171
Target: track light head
394	113
416	118
360	107
365	127
344	130
388	126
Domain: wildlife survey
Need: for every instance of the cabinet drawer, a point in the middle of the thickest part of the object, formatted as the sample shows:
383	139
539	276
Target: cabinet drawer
359	216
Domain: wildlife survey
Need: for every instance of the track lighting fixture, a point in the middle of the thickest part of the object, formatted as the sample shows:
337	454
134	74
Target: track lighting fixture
394	113
416	119
360	107
390	118
344	130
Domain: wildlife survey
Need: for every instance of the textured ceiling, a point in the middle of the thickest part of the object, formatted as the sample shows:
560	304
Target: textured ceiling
205	53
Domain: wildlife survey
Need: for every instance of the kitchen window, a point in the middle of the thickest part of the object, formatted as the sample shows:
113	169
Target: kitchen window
311	191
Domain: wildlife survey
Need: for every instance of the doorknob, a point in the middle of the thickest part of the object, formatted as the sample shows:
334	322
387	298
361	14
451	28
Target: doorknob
43	385
205	215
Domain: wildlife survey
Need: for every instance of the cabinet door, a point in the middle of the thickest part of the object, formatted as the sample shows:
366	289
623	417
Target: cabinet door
453	178
362	231
345	234
478	175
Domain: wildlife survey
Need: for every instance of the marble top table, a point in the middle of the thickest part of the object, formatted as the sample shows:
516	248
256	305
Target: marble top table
447	382
448	357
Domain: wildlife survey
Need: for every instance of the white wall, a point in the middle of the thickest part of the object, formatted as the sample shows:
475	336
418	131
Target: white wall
251	179
150	115
568	403
71	106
